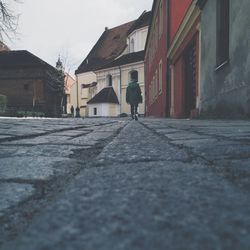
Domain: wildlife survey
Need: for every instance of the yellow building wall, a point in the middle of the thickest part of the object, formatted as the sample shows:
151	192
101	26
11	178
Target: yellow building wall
82	95
113	110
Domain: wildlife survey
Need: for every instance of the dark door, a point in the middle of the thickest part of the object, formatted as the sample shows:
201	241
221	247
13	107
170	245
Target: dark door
190	79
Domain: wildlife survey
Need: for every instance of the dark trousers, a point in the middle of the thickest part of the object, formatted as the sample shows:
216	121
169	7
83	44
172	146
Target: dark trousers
133	109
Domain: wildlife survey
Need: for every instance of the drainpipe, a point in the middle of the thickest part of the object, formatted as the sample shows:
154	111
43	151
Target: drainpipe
168	71
120	89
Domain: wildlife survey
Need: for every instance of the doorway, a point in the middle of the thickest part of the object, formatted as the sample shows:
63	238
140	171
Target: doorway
190	79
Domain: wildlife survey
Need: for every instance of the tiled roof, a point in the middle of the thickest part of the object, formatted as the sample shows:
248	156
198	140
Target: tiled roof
106	95
110	45
21	58
126	59
142	21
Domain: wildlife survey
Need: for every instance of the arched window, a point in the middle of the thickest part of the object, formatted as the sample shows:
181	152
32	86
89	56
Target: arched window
132	45
133	75
110	80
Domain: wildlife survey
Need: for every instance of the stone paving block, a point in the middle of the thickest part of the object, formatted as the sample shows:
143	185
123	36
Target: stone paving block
47	150
236	171
12	193
7	151
223	150
30	168
91	138
185	135
195	143
73	133
166	131
46	139
4	136
134	144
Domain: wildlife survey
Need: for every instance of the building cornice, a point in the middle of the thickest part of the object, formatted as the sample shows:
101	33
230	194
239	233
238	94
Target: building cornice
119	67
191	16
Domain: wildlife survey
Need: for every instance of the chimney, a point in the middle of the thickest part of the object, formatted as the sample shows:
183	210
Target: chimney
106	28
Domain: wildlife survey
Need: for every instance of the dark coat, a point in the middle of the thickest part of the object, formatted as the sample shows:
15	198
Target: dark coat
133	93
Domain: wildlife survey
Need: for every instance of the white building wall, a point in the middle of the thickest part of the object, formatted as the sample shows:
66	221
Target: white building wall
139	37
103	109
103	83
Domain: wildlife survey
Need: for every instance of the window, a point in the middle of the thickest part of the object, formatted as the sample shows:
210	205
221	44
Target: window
156	83
157	31
26	86
222	50
110	80
132	46
153	88
160	19
160	77
155	35
95	111
150	94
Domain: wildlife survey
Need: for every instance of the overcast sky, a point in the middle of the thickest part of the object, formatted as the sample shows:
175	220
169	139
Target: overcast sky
48	28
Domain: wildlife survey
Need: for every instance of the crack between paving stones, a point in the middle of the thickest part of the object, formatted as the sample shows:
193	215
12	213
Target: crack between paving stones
110	163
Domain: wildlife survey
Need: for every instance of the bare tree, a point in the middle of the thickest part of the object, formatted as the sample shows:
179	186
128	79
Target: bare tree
68	65
8	19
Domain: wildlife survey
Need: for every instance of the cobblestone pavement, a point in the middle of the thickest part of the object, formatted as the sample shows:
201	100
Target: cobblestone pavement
120	184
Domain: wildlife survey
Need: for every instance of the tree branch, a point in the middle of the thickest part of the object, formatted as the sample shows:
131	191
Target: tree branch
8	20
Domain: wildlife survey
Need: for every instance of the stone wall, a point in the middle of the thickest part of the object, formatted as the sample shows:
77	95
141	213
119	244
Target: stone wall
226	91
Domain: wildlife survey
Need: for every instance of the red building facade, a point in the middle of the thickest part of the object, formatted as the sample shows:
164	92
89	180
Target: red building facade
155	62
167	16
183	55
177	11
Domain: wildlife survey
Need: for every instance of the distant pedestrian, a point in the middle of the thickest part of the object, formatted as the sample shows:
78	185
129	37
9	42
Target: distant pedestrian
77	112
72	110
133	95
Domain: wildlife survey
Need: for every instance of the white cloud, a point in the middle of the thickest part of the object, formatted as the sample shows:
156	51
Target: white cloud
48	27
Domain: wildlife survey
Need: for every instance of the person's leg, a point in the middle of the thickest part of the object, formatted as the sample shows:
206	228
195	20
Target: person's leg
136	112
132	110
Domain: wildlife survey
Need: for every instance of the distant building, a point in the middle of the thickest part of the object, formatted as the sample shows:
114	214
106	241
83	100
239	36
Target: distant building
69	88
69	83
157	94
30	84
197	62
105	73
